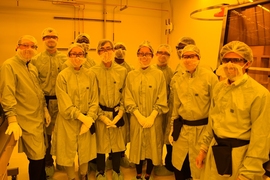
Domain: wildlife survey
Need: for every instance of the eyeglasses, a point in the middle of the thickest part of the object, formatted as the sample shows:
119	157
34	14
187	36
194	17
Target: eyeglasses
76	55
120	47
233	60
144	54
163	53
189	56
102	50
50	37
24	46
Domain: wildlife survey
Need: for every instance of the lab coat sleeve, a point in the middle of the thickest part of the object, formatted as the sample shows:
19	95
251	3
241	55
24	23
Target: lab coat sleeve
93	99
8	90
65	105
258	149
129	101
161	104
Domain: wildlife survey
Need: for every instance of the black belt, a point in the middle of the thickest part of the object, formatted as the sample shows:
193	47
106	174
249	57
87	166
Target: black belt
199	122
231	142
47	98
121	121
178	123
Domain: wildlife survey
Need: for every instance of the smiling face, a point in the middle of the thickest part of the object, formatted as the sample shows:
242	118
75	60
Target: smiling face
145	56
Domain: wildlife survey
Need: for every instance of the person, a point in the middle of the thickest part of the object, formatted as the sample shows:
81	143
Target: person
84	40
111	80
146	101
192	97
163	56
238	130
120	54
183	41
49	63
77	95
24	105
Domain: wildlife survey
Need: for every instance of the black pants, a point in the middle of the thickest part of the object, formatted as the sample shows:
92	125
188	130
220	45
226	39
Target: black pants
116	156
185	171
149	167
36	169
48	156
168	158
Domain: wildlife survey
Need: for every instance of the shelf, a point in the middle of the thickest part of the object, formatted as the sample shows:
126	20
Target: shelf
259	69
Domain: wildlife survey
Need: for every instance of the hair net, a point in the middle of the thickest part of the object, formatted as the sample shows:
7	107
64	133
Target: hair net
82	38
191	48
186	41
49	32
73	46
28	37
239	48
167	47
102	42
120	45
146	44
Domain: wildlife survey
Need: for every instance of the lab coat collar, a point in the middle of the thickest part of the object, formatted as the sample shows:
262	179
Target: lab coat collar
237	82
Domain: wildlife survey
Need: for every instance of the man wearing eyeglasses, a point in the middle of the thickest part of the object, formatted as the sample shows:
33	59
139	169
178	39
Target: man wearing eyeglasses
24	105
236	141
163	55
192	93
49	63
111	79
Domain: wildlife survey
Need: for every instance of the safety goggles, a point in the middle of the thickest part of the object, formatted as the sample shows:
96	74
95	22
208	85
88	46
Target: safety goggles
163	53
233	60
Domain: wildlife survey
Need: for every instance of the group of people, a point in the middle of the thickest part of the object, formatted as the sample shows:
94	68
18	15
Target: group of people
67	105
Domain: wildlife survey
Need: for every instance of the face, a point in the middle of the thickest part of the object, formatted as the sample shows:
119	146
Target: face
105	48
235	59
26	49
76	52
76	57
50	41
163	56
145	56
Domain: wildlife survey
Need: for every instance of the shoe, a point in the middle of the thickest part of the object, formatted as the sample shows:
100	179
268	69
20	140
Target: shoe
108	164
124	162
92	167
49	172
60	168
117	176
100	176
137	178
162	171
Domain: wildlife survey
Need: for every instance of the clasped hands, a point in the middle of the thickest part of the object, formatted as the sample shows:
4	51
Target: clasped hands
108	122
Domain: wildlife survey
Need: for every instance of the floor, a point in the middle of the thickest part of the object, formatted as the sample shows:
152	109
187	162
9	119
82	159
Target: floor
19	160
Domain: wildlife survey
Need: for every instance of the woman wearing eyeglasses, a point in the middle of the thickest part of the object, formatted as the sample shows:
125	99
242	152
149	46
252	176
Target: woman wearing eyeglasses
146	101
77	94
236	142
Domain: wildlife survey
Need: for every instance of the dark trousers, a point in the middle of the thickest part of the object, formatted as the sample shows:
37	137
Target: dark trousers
149	167
116	156
36	169
48	156
168	158
185	171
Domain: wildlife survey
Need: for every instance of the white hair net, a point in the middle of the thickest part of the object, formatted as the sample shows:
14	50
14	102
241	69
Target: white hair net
120	45
239	48
83	38
167	47
49	32
192	48
186	41
146	44
102	43
28	37
75	45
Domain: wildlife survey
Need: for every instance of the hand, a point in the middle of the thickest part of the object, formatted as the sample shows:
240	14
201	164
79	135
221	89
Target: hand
88	121
84	129
13	127
150	119
47	117
149	122
105	120
141	119
170	136
200	159
116	119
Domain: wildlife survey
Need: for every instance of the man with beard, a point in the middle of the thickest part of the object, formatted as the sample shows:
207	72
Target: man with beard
24	105
49	63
